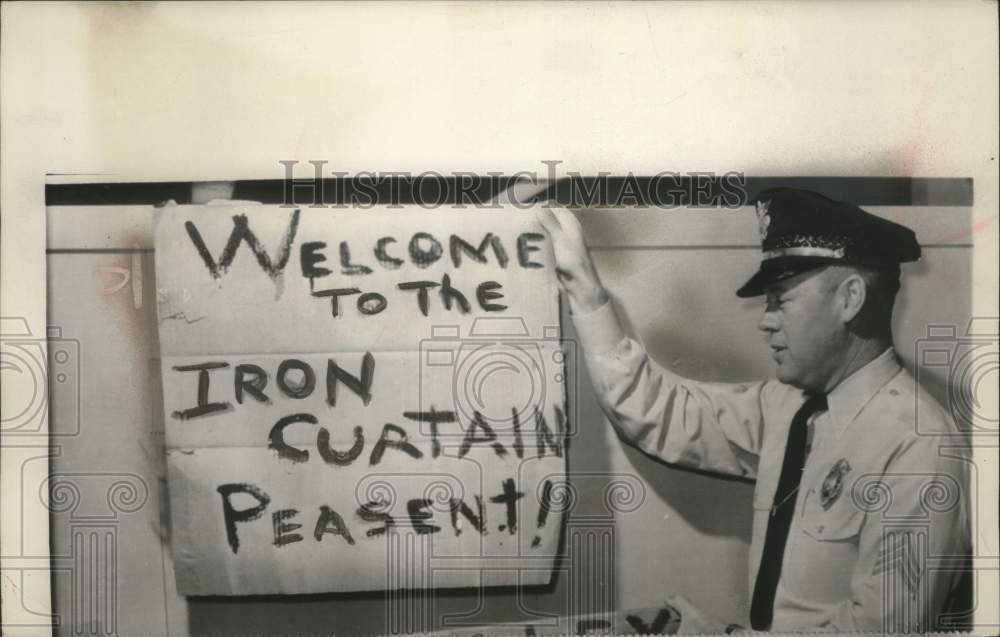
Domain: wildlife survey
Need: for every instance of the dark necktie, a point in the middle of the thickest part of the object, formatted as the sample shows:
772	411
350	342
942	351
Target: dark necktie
782	513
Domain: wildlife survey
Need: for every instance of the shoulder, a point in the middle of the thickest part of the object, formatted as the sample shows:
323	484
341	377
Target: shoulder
913	432
911	449
910	411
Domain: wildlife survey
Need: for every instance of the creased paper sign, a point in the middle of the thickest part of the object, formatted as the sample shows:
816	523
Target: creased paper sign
359	399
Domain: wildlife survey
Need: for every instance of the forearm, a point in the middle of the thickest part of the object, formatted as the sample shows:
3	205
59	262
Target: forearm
710	426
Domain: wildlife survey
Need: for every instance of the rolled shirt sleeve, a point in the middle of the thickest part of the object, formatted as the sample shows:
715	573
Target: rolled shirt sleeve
710	426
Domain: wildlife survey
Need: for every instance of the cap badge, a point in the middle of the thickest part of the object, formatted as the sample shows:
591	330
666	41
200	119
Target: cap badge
763	219
833	484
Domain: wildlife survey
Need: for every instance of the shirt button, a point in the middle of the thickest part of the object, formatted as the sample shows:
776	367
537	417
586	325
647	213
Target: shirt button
894	392
820	528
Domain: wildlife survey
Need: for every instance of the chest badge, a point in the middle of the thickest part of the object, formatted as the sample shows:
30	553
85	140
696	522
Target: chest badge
833	484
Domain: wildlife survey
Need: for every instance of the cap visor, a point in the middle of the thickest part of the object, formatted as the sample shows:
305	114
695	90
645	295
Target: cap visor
774	271
755	286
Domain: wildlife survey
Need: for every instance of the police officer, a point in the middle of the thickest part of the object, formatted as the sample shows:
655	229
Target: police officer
856	515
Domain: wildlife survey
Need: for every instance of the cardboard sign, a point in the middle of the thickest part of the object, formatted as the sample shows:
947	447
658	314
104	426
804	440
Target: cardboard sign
359	399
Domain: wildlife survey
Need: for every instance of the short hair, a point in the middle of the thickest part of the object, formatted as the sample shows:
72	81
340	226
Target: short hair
881	286
882	281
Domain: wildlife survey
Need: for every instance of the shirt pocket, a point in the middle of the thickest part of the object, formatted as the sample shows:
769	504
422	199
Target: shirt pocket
839	521
824	549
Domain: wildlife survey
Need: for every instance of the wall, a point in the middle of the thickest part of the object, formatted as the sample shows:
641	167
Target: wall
672	274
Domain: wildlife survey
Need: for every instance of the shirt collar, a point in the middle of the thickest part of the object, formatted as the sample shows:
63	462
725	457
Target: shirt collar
854	392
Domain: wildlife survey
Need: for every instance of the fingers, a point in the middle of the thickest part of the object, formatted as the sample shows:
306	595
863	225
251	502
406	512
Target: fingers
548	220
559	223
568	222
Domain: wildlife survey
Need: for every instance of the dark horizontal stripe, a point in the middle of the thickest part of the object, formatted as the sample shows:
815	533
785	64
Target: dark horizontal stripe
663	192
99	251
111	194
923	246
879	191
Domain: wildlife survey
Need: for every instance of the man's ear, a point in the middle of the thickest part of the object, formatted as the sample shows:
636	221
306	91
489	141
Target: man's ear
852	293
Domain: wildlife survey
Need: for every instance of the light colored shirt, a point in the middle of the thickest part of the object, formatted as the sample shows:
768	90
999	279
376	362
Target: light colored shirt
880	526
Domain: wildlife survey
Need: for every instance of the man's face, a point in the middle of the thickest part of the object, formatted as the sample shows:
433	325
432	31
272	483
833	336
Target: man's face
803	328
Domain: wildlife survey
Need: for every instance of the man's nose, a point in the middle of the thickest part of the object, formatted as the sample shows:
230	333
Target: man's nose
768	322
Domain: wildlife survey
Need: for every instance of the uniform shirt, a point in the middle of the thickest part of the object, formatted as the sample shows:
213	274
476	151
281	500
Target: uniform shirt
880	526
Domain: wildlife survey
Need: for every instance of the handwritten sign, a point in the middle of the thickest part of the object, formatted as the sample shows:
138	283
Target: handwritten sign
359	399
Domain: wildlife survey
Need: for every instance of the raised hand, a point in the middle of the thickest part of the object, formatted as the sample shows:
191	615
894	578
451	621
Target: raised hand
574	267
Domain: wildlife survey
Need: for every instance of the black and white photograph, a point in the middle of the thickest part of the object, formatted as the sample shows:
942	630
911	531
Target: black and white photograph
493	319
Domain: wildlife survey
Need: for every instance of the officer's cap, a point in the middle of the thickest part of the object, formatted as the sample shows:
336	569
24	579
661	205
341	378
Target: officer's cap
802	230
